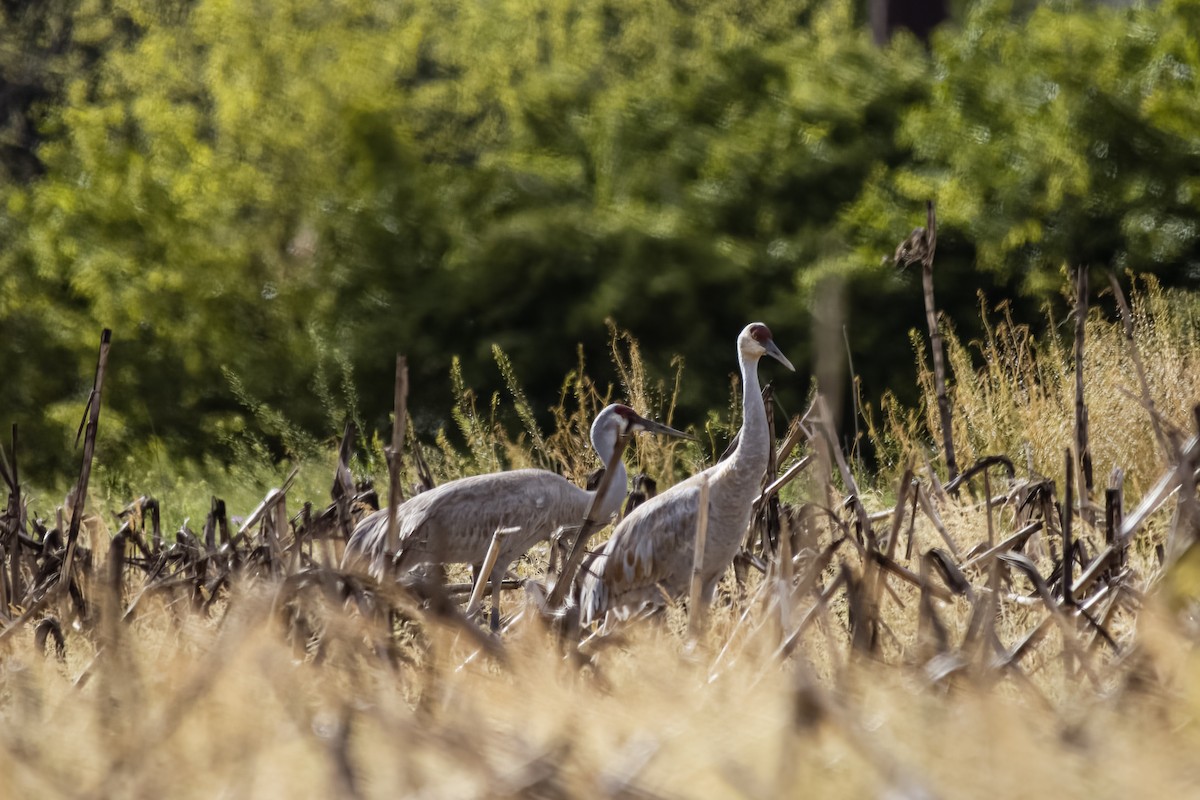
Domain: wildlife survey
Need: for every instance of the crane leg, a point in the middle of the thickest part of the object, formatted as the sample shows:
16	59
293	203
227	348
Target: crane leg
498	573
489	571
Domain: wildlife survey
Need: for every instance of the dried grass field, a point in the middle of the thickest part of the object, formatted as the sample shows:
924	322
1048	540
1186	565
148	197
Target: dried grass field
887	634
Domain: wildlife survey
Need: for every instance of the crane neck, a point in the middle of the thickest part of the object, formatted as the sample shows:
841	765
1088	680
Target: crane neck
610	503
753	442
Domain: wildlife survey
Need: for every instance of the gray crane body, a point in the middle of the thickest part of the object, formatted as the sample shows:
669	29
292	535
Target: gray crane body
455	522
650	555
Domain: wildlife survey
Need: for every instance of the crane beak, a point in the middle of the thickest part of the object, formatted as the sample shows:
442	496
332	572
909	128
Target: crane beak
774	352
650	426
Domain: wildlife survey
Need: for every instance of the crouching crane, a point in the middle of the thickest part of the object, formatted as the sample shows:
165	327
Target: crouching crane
651	552
455	522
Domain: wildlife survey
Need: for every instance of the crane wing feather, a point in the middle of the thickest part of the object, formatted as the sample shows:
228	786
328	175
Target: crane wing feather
454	522
650	551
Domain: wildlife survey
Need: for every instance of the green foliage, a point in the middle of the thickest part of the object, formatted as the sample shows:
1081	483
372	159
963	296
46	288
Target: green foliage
478	433
292	192
184	487
1067	136
520	402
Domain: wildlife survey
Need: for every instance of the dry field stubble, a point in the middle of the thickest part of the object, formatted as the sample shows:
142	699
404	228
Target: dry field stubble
893	659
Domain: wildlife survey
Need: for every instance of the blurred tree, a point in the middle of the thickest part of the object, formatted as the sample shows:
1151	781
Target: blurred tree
668	167
919	17
1065	137
46	356
245	190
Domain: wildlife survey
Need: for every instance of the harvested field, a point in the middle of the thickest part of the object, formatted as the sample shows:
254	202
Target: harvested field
999	635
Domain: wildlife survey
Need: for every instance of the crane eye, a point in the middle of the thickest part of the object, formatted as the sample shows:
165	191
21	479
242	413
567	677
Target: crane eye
624	414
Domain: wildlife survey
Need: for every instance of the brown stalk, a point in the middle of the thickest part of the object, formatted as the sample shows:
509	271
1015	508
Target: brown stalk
929	624
1071	646
16	515
795	433
1114	502
981	626
878	564
807	583
912	520
864	633
507	584
1068	553
342	492
578	548
920	247
935	337
1147	399
1098	566
1111	597
788	645
46	629
783	480
263	510
978	467
1030	640
695	611
6	601
830	437
1035	635
770	510
395	492
1185	529
281	528
987	504
906	485
1084	454
92	421
424	475
994	573
909	576
1011	543
88	427
931	512
953	577
738	627
783	582
1162	490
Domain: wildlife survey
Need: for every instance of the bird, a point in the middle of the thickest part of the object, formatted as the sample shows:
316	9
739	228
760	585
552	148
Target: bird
651	551
454	523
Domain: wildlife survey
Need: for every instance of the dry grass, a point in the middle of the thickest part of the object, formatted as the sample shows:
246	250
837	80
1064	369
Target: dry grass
1021	402
309	687
567	450
194	707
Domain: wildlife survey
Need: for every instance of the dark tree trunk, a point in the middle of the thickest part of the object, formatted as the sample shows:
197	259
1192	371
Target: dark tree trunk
918	16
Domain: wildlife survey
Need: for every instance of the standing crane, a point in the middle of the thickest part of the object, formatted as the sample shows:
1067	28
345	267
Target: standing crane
455	522
651	552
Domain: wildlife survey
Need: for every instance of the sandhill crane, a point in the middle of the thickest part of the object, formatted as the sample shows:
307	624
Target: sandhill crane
454	523
651	551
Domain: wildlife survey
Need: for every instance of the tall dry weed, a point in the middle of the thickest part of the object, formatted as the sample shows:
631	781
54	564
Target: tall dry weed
1013	394
491	446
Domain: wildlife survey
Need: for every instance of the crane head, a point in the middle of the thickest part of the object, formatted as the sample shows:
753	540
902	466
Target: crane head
627	420
756	341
